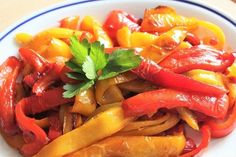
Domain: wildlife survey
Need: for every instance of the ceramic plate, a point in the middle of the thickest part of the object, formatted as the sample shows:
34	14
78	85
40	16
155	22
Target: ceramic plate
49	17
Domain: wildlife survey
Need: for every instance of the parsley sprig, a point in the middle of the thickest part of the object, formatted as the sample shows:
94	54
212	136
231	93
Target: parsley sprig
90	58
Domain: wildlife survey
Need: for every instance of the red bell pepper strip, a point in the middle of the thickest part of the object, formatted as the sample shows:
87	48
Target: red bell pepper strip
152	72
150	102
32	105
46	73
206	136
118	19
223	128
34	59
197	57
9	71
55	129
49	77
43	83
30	79
192	39
190	145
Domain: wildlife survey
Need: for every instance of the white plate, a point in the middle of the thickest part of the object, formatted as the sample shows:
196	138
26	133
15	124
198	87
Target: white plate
49	17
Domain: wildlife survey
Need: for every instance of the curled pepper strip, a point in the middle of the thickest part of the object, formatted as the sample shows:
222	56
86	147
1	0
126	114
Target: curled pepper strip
221	129
206	136
150	102
34	59
33	105
46	73
197	57
9	71
152	72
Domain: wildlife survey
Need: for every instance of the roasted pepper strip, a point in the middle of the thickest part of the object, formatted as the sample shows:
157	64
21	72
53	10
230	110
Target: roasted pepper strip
163	18
46	73
34	59
99	127
118	19
49	77
150	102
206	136
152	72
198	57
135	146
223	128
32	105
55	129
70	22
9	71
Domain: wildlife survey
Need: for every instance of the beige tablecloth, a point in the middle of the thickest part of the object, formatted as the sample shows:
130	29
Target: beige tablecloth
12	10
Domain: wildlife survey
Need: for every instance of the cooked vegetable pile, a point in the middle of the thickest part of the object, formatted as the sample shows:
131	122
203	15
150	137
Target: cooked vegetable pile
126	87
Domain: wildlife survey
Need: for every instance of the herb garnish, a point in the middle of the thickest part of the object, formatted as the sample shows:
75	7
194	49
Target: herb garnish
90	58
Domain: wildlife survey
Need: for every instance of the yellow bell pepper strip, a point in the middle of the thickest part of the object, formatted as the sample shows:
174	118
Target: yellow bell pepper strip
151	129
142	39
103	85
162	19
23	38
9	72
70	22
78	121
67	119
40	42
99	127
188	116
198	57
154	53
103	108
182	45
56	48
208	77
137	86
85	102
210	34
206	136
172	38
32	105
138	146
42	123
123	37
231	71
91	25
135	125
113	94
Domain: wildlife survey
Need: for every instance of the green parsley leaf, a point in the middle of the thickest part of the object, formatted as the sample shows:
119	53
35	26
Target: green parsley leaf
98	56
89	68
73	66
79	49
76	76
72	90
118	62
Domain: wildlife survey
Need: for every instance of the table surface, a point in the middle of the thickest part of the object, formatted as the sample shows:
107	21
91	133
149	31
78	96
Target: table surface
11	12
